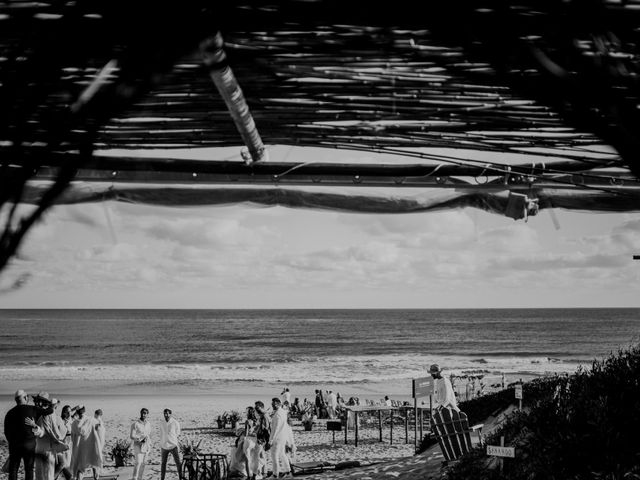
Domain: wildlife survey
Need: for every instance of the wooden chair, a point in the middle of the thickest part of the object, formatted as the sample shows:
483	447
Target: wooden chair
451	429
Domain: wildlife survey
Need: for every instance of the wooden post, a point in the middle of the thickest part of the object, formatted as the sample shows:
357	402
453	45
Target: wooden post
380	423
346	428
390	427
356	412
421	423
415	423
406	426
501	460
225	81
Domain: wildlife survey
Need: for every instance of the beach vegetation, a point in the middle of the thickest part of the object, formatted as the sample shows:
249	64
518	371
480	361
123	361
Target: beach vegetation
120	452
571	427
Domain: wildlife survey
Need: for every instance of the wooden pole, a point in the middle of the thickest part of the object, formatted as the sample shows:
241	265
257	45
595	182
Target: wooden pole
356	412
225	81
380	423
346	428
501	460
415	423
390	427
406	426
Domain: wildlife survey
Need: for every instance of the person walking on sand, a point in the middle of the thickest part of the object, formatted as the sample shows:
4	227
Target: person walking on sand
20	437
278	440
141	436
443	391
169	433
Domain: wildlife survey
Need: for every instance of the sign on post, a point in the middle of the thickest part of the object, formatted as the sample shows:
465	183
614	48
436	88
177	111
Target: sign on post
495	451
334	425
422	387
519	392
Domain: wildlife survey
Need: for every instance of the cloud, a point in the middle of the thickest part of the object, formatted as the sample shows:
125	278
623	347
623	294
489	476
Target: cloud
549	262
121	252
518	238
206	233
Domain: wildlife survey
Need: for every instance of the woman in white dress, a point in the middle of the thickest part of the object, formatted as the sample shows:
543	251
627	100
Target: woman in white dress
86	445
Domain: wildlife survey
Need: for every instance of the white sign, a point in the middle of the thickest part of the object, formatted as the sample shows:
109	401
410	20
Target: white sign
519	391
501	451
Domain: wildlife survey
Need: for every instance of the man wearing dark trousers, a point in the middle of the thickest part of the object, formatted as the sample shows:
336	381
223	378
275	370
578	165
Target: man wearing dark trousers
20	436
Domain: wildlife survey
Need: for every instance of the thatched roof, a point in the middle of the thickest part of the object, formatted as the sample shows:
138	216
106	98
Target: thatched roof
554	80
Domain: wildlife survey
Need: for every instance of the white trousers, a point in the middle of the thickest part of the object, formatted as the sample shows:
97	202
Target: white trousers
279	459
138	466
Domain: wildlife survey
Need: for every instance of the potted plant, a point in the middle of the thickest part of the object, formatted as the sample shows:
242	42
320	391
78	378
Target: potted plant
308	419
234	417
221	420
121	452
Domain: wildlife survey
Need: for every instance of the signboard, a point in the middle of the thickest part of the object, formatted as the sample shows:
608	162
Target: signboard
422	387
519	391
509	452
335	425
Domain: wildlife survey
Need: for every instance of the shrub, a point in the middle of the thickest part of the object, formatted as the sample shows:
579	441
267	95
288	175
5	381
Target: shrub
582	426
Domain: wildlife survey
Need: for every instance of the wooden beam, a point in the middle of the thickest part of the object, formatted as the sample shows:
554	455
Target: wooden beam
225	81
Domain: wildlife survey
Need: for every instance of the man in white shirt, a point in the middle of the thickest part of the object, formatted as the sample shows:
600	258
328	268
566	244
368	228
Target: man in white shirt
443	390
141	436
278	440
169	433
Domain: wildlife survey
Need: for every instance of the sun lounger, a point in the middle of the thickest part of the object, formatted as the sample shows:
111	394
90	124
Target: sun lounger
307	468
451	429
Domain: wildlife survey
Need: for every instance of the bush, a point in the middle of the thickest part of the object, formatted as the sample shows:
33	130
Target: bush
582	426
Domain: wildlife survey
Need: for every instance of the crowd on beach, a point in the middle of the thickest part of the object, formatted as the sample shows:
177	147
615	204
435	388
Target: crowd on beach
51	441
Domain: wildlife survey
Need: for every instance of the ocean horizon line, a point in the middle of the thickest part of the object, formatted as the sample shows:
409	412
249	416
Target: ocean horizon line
307	309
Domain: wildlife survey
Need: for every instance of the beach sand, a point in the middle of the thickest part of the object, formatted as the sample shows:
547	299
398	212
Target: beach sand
197	408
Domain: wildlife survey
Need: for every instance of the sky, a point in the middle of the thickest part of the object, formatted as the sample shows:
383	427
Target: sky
117	255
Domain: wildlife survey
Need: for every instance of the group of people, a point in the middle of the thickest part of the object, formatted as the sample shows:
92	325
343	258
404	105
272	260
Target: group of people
50	445
140	435
264	433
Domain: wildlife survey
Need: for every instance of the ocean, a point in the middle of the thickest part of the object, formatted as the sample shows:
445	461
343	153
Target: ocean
314	347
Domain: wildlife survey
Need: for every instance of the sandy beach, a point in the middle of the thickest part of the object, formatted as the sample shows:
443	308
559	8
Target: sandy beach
197	410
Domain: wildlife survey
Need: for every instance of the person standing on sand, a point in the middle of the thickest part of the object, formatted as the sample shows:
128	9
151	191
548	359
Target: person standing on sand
286	396
278	440
100	430
332	403
49	439
20	437
86	445
169	433
141	436
263	432
443	391
63	459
